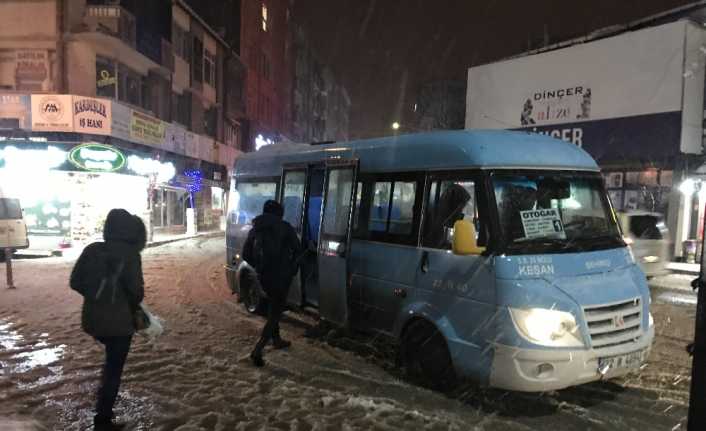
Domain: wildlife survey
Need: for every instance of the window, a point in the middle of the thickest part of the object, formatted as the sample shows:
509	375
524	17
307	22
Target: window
210	121
130	86
449	201
293	198
216	198
250	198
180	41
10	209
541	212
358	199
183	109
392	209
209	68
264	17
338	200
106	79
198	62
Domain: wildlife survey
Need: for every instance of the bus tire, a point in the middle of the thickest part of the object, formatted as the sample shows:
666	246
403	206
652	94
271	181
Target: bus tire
253	301
425	356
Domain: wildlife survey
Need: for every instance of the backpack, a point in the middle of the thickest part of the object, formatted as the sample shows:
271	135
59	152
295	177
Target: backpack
95	275
266	249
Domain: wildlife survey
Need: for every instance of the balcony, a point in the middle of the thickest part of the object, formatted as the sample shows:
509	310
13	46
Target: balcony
113	20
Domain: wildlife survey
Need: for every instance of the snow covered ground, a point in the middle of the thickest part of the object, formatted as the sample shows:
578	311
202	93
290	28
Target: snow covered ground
197	376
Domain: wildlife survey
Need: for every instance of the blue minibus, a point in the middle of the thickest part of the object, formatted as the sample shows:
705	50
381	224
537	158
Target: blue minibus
493	256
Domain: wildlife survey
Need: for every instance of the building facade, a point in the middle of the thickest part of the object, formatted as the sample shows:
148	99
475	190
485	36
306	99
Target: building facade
266	48
116	103
320	105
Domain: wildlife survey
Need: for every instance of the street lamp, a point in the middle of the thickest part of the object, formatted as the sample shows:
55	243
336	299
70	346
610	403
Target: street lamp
395	126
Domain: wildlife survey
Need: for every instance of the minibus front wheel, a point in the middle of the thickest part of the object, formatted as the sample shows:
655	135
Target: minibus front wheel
251	294
425	356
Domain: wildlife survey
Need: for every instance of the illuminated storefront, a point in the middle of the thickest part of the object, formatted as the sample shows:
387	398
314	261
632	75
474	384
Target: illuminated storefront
66	189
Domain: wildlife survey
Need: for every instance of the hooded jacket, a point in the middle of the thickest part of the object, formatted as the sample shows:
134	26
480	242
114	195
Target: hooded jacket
276	274
124	236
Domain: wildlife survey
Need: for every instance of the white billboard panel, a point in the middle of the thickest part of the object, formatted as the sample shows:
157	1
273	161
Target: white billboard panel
630	74
581	93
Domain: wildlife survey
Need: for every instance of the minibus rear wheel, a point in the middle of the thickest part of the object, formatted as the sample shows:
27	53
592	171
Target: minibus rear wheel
425	356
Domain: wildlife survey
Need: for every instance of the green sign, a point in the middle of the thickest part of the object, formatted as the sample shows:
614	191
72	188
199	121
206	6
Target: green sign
97	158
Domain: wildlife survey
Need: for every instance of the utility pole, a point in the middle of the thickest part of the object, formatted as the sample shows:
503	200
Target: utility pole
697	397
8	268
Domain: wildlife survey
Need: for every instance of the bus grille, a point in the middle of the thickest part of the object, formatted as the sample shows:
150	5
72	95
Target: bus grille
614	324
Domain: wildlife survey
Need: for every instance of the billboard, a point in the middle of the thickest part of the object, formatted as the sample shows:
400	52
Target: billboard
616	97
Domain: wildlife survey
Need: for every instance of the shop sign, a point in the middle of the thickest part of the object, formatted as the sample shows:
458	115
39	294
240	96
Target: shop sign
146	129
92	115
52	113
175	140
120	121
15	111
32	70
97	157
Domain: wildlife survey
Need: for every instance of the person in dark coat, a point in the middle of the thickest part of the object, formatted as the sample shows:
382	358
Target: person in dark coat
275	273
110	320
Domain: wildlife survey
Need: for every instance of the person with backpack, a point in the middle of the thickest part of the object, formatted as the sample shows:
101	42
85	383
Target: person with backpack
272	248
109	277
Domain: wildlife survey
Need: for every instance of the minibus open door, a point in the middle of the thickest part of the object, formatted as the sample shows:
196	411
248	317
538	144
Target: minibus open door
334	239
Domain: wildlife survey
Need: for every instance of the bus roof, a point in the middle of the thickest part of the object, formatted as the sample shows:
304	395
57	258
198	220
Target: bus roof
427	151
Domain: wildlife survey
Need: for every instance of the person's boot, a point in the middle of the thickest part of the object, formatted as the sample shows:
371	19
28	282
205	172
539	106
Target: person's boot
256	354
256	358
107	425
279	343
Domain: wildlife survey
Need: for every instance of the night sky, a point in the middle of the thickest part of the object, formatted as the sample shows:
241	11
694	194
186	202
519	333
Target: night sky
382	50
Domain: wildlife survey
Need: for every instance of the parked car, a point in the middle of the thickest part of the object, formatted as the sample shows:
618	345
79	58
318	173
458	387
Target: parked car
647	235
13	229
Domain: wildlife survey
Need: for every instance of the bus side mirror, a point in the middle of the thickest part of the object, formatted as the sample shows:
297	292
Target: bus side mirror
464	239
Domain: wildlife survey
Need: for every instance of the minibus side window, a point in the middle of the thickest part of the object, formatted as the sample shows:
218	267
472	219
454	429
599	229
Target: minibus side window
392	208
380	207
448	202
293	198
358	199
251	197
402	210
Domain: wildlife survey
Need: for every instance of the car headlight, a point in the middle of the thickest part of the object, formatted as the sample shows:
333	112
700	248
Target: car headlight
547	327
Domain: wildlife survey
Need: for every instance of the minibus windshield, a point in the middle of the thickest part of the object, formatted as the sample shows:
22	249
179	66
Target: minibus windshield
554	212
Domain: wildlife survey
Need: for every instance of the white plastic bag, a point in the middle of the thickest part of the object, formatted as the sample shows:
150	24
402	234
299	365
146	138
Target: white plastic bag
156	327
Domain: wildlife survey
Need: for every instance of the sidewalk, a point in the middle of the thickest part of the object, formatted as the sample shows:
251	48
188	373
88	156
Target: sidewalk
157	240
161	239
684	268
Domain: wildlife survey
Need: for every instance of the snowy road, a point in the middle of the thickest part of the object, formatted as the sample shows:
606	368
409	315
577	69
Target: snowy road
197	376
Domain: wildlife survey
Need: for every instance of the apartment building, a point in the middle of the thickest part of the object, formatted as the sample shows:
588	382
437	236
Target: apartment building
137	104
321	105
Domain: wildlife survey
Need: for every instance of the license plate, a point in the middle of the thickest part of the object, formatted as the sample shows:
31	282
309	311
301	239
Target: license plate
628	360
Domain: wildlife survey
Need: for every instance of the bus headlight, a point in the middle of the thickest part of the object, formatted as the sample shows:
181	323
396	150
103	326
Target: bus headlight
547	327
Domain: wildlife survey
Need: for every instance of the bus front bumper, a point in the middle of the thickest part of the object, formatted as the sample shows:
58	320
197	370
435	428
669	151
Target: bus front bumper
539	370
